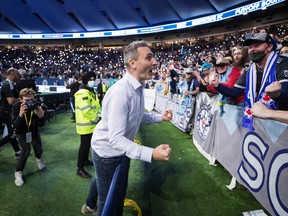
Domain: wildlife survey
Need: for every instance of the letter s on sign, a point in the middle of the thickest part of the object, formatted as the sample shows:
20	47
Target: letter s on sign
277	168
251	170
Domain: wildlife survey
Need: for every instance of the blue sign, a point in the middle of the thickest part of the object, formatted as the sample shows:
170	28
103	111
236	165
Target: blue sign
260	5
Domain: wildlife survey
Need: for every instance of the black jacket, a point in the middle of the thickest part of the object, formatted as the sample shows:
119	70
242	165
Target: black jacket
20	125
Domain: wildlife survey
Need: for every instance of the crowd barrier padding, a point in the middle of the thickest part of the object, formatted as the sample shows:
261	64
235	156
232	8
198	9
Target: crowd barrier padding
256	159
182	109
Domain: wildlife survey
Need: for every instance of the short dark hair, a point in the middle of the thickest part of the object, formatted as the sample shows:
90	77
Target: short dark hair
12	71
131	52
87	76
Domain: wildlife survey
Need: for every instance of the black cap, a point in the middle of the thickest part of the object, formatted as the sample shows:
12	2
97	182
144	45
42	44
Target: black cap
260	37
87	76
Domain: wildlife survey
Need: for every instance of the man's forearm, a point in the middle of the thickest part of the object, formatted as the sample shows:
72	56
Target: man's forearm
277	115
229	92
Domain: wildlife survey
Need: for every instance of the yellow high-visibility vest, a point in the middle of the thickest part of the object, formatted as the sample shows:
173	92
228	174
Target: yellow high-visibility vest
104	88
87	111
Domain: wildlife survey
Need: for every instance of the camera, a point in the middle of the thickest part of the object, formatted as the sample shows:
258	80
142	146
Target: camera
32	104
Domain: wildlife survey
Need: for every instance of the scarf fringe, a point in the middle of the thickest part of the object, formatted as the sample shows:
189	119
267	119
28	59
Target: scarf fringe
248	123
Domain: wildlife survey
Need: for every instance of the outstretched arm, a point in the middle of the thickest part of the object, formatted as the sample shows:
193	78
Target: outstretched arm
233	92
261	111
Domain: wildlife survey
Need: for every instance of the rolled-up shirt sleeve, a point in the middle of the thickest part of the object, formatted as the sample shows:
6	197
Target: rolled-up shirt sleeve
150	118
119	137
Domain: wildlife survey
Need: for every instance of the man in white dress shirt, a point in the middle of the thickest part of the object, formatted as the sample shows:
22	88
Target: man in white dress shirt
122	114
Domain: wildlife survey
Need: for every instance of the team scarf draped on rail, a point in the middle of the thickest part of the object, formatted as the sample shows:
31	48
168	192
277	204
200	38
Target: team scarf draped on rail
269	76
222	100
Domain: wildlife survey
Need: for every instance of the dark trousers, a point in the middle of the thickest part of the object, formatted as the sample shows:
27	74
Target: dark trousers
26	149
100	97
91	200
72	104
105	168
85	143
6	119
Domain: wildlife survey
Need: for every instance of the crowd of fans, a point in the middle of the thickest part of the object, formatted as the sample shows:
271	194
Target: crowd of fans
63	63
184	69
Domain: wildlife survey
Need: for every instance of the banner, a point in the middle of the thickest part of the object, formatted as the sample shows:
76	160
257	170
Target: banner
182	109
258	160
149	99
183	113
49	81
161	102
204	122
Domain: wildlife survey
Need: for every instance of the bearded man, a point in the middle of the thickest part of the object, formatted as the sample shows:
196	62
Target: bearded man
260	80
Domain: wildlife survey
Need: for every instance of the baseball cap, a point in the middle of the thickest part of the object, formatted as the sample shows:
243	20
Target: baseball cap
260	37
222	61
206	65
188	70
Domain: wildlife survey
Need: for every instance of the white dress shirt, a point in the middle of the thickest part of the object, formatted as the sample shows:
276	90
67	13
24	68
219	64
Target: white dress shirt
122	114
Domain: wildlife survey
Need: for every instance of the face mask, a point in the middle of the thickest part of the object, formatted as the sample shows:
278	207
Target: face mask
257	56
285	54
91	84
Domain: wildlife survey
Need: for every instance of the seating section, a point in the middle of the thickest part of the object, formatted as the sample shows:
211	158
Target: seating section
54	104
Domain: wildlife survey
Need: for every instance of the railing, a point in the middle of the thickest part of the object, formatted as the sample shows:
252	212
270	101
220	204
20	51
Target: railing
256	159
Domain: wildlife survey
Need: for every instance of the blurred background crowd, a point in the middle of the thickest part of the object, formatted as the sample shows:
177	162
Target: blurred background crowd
64	62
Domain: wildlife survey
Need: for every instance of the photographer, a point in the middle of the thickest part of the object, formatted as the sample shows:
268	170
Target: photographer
27	116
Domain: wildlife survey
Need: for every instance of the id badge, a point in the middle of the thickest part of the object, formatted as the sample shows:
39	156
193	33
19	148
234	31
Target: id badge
28	137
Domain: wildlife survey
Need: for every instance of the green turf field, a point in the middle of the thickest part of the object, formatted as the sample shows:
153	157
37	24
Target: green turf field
184	186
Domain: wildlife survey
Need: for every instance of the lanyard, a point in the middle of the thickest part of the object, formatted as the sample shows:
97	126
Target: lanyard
30	121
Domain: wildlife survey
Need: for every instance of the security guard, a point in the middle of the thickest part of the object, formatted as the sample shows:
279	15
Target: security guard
88	113
101	90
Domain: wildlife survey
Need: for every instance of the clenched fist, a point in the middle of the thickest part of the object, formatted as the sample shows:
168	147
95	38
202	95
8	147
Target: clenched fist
167	115
162	152
274	89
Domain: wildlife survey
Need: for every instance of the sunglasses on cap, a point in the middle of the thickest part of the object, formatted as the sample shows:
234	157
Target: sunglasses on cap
221	65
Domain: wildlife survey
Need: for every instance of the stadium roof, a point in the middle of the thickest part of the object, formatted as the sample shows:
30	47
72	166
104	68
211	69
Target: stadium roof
59	16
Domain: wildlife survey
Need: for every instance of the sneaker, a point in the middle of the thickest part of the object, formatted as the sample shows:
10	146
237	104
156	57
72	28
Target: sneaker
83	173
87	210
40	163
17	154
18	178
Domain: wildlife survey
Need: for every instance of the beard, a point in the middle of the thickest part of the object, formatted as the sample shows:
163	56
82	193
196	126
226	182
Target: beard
240	63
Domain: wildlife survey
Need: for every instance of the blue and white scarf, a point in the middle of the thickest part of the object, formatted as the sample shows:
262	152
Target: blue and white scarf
185	100
222	100
269	76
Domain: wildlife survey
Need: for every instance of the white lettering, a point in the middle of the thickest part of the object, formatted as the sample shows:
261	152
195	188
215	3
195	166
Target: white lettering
277	167
254	182
247	8
207	19
267	3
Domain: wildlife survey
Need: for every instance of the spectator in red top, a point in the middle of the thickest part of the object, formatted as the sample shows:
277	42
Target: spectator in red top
228	76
